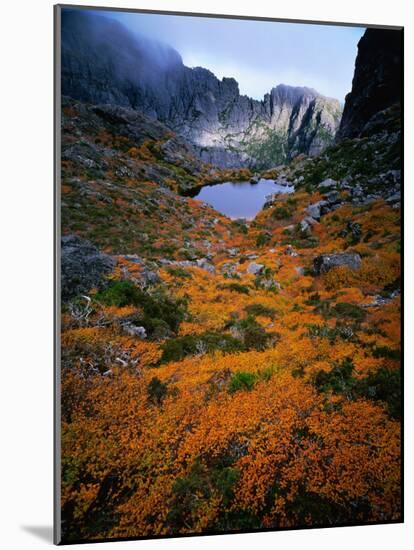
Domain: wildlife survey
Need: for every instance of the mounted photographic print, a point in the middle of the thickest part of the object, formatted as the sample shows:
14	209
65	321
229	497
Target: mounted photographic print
228	274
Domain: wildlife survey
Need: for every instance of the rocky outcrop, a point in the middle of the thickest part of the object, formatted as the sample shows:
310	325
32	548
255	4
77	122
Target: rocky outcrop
227	129
326	262
82	266
377	82
179	160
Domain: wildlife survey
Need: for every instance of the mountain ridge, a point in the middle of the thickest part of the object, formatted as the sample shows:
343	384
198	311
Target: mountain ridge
226	128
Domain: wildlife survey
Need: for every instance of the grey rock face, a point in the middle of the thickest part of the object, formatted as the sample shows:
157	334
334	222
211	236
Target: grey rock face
83	266
103	63
326	262
376	84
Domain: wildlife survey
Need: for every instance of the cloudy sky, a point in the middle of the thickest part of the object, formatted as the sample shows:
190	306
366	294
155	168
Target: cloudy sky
258	54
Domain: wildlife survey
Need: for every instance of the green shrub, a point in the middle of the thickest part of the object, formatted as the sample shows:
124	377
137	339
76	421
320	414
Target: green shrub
254	335
259	309
387	353
179	272
313	300
157	308
200	484
242	381
157	391
344	309
383	385
266	373
339	379
236	287
262	239
280	213
178	348
120	294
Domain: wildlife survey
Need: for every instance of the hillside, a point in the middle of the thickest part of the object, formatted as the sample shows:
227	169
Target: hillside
220	375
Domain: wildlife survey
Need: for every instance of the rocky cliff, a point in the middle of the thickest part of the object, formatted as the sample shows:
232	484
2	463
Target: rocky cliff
377	82
102	62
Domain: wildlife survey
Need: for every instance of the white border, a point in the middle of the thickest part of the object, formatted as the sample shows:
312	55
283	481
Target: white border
26	288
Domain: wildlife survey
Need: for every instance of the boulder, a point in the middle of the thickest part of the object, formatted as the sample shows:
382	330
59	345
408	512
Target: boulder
290	251
305	227
255	269
326	262
83	267
229	269
329	183
133	330
268	284
357	192
203	263
353	229
333	197
396	197
314	210
150	278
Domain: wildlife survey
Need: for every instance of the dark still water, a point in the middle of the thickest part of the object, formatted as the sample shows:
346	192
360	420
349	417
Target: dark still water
240	199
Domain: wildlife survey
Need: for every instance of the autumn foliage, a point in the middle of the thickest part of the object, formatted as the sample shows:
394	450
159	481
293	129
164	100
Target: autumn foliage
267	400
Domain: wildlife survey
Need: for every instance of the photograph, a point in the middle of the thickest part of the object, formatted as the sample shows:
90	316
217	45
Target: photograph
229	242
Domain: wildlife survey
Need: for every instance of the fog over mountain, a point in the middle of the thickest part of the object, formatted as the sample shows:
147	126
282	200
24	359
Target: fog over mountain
103	62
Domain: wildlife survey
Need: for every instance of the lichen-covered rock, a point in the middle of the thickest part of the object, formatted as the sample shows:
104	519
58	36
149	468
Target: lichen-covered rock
82	266
326	262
